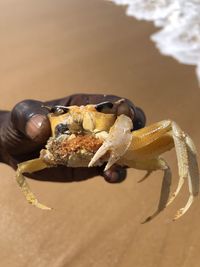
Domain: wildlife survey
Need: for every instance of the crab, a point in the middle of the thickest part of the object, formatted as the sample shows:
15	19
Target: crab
86	136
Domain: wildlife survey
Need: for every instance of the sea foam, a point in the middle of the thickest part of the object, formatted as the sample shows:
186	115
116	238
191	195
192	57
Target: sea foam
179	23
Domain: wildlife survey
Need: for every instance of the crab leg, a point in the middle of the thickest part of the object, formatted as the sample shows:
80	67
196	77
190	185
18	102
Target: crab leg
193	173
117	142
188	167
194	170
182	157
165	191
30	167
156	139
164	194
152	165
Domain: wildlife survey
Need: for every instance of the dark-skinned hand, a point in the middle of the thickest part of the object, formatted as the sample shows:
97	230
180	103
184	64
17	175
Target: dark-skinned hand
25	130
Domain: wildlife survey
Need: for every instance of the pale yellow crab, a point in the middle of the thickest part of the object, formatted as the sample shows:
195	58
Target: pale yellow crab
83	136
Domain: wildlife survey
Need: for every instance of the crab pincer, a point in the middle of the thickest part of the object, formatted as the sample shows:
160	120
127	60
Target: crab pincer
117	142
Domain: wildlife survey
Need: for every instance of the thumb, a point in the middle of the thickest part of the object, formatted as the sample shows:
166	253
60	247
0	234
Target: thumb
30	118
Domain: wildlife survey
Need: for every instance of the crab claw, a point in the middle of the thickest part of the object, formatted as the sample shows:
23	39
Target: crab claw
117	142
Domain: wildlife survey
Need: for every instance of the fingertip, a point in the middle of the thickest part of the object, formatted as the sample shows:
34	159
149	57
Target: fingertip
116	174
29	118
38	128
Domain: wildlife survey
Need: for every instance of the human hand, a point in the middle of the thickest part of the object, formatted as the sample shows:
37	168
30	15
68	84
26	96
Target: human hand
25	130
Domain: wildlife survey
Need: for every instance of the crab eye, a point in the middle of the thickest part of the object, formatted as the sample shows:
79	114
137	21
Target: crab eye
104	106
58	110
61	129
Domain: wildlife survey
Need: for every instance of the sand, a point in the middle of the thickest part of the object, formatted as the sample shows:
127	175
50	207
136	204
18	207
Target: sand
50	49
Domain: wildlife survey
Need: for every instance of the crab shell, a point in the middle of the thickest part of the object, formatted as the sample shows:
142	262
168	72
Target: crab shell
87	131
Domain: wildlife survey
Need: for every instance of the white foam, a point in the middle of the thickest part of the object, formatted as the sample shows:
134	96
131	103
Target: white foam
179	21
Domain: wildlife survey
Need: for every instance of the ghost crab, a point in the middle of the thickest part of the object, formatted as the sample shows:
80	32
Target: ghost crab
86	136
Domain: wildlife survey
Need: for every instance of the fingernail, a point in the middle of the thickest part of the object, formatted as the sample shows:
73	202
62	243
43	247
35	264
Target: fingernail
34	126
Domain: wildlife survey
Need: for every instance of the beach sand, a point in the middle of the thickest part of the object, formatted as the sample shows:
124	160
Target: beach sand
50	49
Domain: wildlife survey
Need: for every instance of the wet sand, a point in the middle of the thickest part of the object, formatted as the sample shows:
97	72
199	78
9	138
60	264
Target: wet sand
51	49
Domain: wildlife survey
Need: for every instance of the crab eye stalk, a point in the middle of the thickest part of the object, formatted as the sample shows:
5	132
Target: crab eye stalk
57	110
104	106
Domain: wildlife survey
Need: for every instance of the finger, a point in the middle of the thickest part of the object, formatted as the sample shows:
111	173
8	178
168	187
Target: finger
126	107
139	120
66	174
83	99
116	174
29	118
